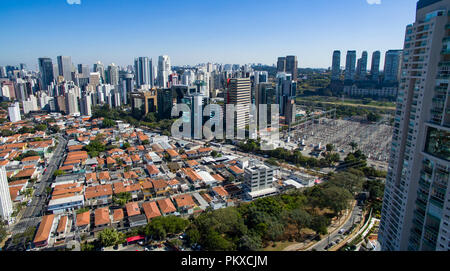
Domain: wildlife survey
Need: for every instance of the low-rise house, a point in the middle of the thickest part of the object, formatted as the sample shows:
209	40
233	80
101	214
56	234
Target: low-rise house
220	192
98	195
151	210
43	234
31	160
132	209
102	218
118	216
166	206
160	187
83	222
152	171
147	188
184	203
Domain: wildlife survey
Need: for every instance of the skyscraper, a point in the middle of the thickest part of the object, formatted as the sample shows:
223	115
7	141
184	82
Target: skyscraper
83	71
164	69
350	65
113	74
281	64
65	67
239	91
6	207
416	205
336	65
375	66
143	68
46	72
100	68
292	66
361	69
392	65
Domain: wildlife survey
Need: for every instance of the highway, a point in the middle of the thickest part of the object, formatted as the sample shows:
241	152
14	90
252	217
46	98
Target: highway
334	236
32	214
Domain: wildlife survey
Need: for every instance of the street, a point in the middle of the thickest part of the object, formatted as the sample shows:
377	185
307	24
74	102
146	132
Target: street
333	237
33	212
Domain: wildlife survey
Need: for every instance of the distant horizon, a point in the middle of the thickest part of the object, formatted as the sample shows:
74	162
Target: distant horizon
200	31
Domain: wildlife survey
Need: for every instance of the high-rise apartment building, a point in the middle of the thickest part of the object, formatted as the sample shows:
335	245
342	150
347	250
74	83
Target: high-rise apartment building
336	65
416	205
65	67
6	207
350	63
164	69
46	72
392	64
143	68
281	64
239	91
100	68
292	66
113	74
361	68
14	112
375	66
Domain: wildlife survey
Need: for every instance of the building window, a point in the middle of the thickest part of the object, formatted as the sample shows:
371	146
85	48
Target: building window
438	143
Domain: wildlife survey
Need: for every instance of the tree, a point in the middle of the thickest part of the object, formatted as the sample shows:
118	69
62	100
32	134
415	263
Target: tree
3	232
319	224
145	142
330	147
214	153
110	237
122	198
354	145
58	172
250	242
108	123
40	127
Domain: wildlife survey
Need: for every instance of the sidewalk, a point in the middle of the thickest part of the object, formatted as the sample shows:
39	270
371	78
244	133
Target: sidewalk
331	229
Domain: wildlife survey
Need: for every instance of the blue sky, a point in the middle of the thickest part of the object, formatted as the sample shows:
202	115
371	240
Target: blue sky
197	31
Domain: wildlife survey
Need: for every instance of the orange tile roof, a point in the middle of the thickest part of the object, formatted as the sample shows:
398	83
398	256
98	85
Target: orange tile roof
159	184
62	224
132	209
166	206
83	219
98	191
192	163
236	170
104	175
118	215
151	210
204	149
220	190
152	169
25	173
44	229
130	175
191	174
102	216
218	177
135	158
31	158
184	201
172	153
147	184
91	176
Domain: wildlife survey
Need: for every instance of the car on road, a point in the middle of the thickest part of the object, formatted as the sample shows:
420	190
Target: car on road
341	231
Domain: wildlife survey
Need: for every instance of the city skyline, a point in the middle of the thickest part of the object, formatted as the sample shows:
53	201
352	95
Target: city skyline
207	38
